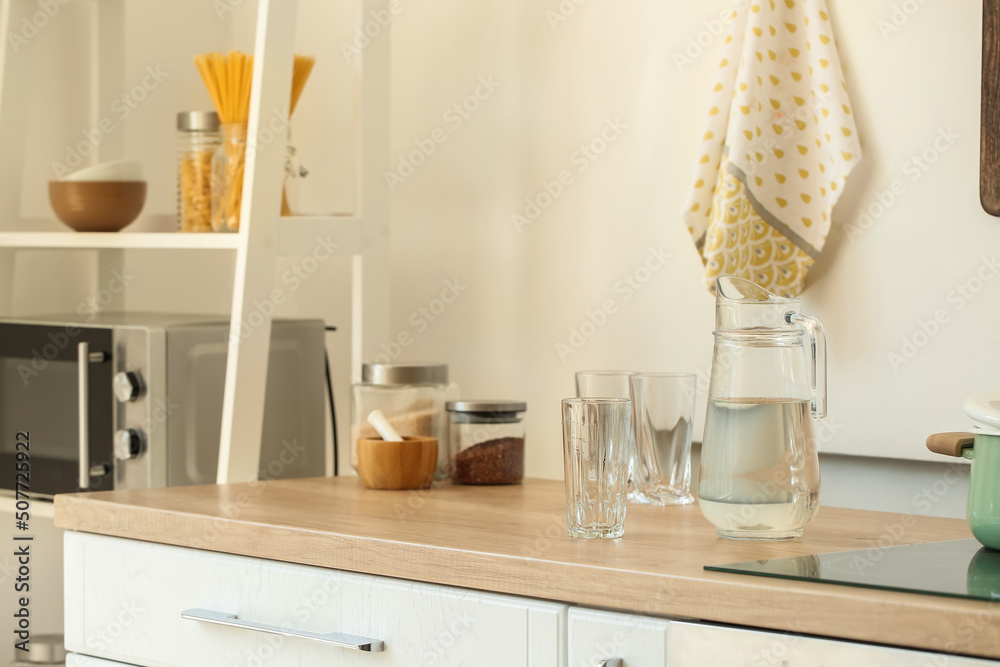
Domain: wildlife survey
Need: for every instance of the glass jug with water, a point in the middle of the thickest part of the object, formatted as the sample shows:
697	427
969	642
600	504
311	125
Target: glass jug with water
759	474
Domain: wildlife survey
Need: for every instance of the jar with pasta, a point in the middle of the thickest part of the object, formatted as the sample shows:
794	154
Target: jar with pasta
197	142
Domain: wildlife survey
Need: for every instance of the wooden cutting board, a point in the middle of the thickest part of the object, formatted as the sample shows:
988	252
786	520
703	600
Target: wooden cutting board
989	162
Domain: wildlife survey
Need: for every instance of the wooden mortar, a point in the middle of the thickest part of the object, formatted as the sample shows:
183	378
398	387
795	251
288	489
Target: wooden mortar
409	464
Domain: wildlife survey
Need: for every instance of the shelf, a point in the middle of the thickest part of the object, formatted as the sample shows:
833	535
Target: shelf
118	240
298	236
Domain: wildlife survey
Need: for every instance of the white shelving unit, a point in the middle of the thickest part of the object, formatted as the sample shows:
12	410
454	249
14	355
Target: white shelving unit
264	235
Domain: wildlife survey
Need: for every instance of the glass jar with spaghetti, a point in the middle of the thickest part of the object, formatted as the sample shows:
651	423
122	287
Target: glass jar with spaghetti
227	178
197	141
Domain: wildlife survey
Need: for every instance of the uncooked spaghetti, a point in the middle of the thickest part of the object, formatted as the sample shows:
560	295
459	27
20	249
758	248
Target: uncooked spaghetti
228	79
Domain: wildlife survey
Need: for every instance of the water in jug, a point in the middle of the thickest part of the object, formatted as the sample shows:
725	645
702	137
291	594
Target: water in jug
759	476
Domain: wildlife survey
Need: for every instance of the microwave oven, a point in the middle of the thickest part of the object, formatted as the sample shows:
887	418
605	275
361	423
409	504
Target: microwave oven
134	400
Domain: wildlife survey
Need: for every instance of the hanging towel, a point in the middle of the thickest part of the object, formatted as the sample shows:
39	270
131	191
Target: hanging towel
779	143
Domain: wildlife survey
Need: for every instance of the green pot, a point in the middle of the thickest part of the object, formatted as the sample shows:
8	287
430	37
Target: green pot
984	490
982	447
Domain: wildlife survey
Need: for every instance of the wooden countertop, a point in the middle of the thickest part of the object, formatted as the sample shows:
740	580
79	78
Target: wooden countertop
513	539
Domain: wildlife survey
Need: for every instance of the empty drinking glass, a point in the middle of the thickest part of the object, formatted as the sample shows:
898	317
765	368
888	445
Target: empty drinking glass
595	459
613	384
603	384
662	416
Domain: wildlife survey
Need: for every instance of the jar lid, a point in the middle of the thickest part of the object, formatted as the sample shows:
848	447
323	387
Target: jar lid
198	121
485	406
404	374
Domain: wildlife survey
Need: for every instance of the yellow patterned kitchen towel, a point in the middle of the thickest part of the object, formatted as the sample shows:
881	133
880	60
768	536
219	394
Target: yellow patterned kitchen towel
779	143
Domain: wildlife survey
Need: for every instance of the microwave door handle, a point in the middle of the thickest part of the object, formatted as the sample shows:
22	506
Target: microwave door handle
83	411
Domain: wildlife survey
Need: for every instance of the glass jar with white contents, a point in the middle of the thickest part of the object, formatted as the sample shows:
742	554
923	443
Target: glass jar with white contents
487	441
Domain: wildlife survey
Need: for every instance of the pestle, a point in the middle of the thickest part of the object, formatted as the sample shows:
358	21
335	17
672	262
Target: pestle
384	428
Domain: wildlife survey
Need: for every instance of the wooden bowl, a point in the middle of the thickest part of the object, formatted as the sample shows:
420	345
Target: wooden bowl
397	465
97	206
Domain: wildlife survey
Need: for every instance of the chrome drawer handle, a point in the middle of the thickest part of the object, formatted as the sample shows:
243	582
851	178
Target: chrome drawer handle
332	639
610	662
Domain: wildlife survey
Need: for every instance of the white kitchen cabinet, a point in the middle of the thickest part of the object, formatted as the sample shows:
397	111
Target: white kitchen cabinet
124	601
597	636
699	645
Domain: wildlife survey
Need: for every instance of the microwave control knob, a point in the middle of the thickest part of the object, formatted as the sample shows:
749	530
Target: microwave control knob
127	386
128	443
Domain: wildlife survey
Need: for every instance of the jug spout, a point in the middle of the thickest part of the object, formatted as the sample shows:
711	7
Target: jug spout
743	304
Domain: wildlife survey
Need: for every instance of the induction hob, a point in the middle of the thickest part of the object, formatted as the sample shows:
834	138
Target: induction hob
956	568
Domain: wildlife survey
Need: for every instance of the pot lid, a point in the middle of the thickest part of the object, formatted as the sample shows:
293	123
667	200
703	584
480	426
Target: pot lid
984	410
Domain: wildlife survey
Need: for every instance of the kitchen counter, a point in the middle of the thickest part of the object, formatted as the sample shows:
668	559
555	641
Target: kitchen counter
513	540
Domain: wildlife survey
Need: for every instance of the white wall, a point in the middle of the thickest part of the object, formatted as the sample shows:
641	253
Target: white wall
528	288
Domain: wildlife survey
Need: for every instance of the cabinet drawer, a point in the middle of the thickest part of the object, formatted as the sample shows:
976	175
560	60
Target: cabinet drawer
694	645
594	636
124	601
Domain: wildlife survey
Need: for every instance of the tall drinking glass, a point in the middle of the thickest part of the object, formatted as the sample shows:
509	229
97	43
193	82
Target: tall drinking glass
663	416
607	384
603	384
595	459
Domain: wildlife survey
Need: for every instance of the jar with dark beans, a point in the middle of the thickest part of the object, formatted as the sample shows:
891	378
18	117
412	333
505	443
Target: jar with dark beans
487	442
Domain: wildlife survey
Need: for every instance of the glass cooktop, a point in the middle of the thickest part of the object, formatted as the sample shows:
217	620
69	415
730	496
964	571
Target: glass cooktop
956	568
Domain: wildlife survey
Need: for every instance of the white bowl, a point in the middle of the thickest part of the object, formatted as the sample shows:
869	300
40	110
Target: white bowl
116	170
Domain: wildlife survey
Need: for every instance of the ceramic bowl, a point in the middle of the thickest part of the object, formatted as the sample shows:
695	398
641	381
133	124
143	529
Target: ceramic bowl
97	206
409	464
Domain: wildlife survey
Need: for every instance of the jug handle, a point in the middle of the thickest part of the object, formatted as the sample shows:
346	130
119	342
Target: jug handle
818	349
